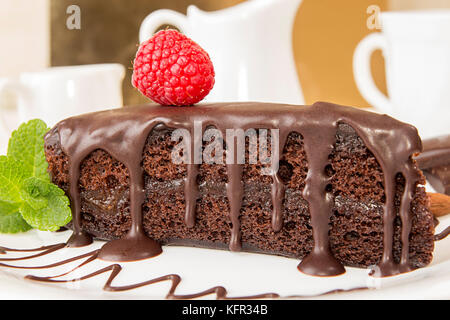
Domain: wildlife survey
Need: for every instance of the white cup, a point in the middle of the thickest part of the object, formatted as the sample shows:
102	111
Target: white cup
250	45
416	48
58	93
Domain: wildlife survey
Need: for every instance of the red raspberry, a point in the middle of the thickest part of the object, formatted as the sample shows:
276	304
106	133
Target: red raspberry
171	69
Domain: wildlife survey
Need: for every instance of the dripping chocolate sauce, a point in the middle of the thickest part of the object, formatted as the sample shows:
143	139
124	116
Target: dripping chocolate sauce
123	132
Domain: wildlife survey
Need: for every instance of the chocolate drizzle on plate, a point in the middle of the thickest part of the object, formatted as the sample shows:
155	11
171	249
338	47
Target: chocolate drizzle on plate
123	132
114	269
442	235
219	291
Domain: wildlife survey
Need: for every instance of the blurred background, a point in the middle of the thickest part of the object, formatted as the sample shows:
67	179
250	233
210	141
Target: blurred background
34	35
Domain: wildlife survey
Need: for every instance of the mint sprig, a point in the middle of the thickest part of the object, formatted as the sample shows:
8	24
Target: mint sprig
11	176
28	198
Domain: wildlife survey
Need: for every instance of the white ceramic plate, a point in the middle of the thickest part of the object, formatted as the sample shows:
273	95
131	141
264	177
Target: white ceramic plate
241	274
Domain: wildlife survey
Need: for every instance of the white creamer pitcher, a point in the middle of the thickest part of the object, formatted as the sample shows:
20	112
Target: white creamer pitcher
250	46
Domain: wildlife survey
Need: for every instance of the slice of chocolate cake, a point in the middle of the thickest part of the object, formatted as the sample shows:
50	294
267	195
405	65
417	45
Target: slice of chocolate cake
346	191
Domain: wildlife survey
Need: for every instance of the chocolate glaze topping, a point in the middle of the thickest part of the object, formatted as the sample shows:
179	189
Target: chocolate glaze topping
123	132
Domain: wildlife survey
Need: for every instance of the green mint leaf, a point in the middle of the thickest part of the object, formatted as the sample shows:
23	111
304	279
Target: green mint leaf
27	146
13	223
27	196
12	175
45	206
35	192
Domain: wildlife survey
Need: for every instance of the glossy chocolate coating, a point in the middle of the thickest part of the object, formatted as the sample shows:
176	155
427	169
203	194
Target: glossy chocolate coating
123	132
